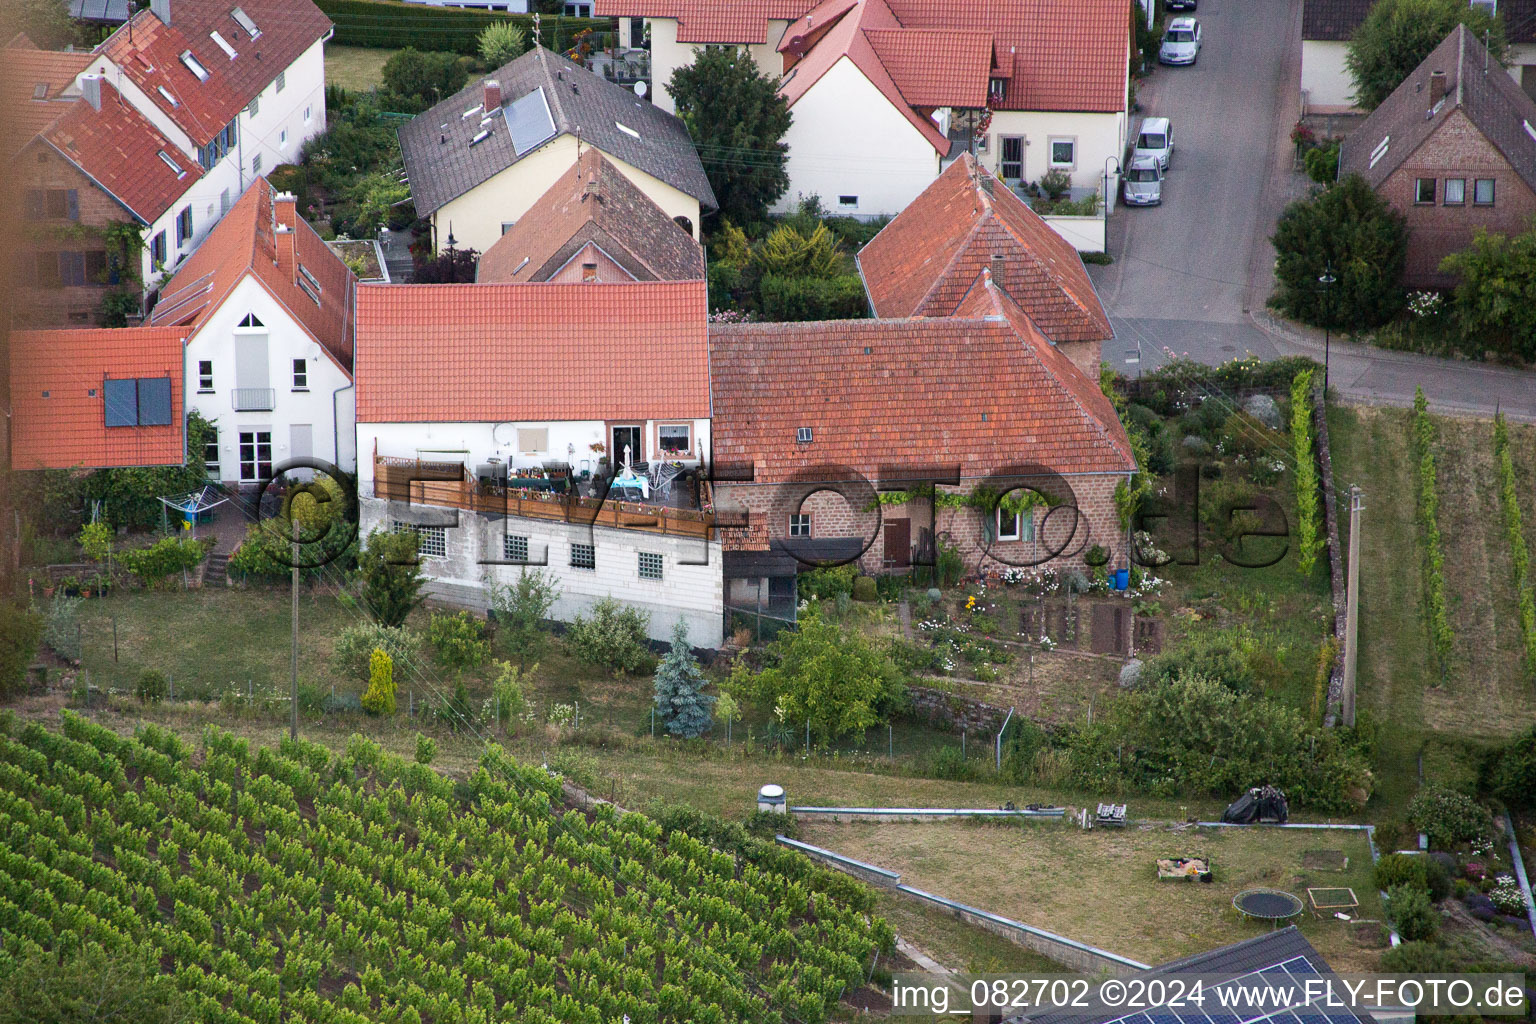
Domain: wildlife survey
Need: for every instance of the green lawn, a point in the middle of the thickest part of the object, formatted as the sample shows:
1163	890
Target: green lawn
355	68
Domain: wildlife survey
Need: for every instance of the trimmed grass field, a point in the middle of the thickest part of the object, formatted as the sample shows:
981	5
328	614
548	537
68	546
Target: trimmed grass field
355	68
1101	887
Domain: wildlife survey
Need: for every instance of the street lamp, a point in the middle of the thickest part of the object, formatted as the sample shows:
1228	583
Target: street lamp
1111	159
1327	280
452	243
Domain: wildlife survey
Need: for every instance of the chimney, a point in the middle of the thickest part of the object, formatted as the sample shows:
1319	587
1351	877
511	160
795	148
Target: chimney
90	90
999	271
162	10
1436	87
492	95
285	210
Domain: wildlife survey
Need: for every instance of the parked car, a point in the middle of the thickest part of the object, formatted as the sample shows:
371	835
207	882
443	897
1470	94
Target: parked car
1181	43
1142	183
1180	5
1156	140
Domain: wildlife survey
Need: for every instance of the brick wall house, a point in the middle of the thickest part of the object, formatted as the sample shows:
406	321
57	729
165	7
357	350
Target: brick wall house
1454	150
813	422
61	272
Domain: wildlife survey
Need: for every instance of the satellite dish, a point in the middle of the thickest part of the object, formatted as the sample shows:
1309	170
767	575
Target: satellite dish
640	89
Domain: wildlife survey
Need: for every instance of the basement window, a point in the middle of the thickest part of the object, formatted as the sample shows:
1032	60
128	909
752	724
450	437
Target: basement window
848	202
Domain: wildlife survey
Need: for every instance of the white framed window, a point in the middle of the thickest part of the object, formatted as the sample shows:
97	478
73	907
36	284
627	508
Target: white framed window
256	164
800	524
981	141
282	80
583	556
1012	525
211	455
848	202
650	565
675	438
250	320
514	548
431	541
195	66
301	375
255	107
1482	192
1455	191
255	454
1063	153
282	138
308	115
205	375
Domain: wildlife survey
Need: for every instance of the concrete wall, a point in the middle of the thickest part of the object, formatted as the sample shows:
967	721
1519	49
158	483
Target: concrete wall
691	587
477	215
1086	234
329	416
667	55
474	442
1326	84
1099	136
847	140
1457	149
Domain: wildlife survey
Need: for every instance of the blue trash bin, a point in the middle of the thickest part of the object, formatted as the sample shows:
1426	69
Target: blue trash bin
1122	579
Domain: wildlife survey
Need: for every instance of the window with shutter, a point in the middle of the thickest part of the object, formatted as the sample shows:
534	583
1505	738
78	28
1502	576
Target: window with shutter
72	269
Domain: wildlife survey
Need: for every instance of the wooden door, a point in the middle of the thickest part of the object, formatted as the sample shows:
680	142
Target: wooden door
898	543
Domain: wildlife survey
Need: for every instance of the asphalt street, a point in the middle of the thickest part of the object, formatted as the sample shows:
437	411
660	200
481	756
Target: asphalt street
1191	276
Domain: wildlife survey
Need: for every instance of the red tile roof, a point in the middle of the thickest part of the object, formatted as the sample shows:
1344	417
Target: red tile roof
149	53
497	352
294	265
596	204
29	70
936	67
68	428
119	148
983	392
1057	54
926	260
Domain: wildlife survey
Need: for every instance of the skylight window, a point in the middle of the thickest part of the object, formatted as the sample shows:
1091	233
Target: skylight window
1380	150
626	129
481	137
40	91
1530	130
223	44
194	65
310	280
172	100
471	112
172	164
245	22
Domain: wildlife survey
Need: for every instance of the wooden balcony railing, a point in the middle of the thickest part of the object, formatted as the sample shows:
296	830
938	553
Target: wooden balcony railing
446	484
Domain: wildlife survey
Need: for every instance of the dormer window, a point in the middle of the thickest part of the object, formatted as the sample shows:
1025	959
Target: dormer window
998	88
244	21
223	44
194	65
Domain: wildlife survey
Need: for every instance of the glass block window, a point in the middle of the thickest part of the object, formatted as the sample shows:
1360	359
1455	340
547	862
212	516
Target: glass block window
583	556
650	565
431	541
514	549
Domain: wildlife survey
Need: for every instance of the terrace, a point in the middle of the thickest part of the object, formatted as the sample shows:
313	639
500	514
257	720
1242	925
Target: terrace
682	507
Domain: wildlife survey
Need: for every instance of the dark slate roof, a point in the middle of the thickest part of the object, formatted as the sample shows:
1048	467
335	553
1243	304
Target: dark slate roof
1490	99
442	165
1338	19
597	204
1333	19
1253	954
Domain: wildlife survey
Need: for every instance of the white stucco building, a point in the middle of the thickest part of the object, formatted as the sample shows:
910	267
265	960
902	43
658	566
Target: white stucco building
505	451
268	360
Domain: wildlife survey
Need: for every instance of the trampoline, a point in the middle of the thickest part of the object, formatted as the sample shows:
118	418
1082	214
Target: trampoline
1267	904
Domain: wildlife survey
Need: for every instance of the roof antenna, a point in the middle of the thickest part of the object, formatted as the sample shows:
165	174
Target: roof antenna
537	43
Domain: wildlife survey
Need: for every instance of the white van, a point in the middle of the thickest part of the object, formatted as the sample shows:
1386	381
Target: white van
1155	141
1142	183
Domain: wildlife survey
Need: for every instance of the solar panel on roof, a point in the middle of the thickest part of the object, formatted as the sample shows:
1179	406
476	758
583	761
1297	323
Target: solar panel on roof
154	401
122	402
529	121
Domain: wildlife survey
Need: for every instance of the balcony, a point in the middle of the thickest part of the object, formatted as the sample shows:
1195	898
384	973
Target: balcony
687	509
255	399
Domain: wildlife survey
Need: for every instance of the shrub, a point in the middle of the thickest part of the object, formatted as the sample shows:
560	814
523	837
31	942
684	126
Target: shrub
1417	958
864	589
391	576
950	763
424	78
169	555
96	541
794	298
1449	817
458	640
522	606
827	582
1213	655
1511	774
1323	163
1495	299
355	646
510	691
612	636
1353	230
1308	531
1410	910
389	24
379	698
61	631
151	687
426	749
501	42
20	630
1395	869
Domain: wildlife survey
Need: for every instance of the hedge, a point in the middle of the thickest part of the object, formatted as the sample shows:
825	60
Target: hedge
1514	526
1440	635
1308	533
391	24
813	298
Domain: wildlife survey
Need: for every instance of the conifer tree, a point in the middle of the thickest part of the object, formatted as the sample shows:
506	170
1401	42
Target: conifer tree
681	701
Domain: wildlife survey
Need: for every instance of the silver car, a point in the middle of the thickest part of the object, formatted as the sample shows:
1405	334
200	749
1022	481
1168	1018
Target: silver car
1181	43
1142	183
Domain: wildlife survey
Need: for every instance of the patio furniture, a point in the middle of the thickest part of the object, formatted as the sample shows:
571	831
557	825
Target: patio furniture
1110	815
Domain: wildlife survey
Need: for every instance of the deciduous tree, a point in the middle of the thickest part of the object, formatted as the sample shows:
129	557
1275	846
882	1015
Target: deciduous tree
1397	35
391	576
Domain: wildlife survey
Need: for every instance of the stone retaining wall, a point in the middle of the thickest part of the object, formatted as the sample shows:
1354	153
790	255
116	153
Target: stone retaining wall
956	712
1335	555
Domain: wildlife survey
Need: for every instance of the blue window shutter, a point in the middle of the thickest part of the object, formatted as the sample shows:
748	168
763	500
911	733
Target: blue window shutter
154	401
122	402
72	204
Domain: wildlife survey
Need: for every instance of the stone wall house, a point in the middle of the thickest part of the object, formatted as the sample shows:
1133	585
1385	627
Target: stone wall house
1454	150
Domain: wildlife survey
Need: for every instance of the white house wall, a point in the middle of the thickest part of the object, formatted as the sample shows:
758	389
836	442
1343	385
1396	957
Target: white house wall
1326	84
847	140
473	443
691	587
477	216
329	414
667	55
278	112
1098	136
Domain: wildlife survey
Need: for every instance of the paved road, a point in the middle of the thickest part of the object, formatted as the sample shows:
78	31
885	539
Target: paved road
1191	276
